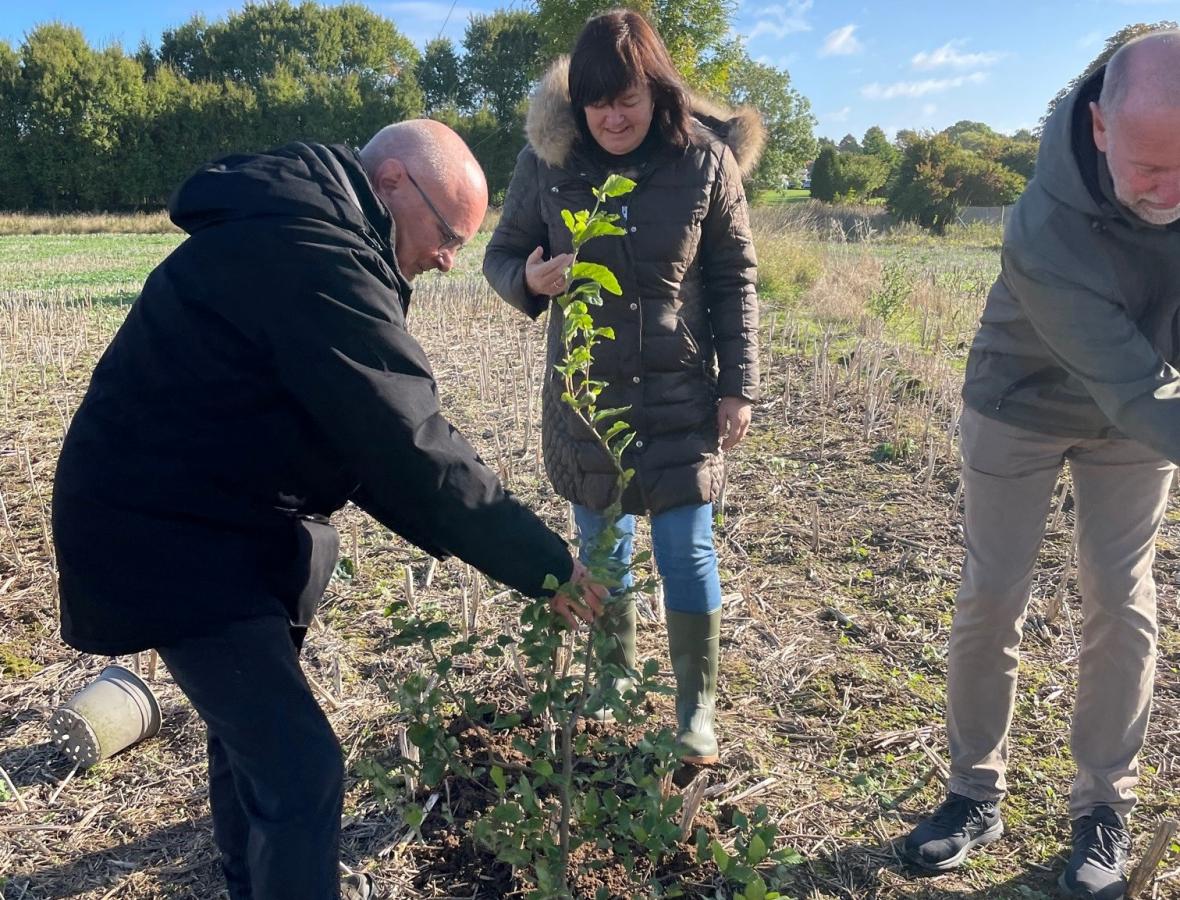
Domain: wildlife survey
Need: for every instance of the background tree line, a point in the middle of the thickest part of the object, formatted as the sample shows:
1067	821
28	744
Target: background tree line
929	178
89	129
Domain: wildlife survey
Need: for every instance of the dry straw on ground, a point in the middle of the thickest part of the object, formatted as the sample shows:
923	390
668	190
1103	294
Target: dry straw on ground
840	541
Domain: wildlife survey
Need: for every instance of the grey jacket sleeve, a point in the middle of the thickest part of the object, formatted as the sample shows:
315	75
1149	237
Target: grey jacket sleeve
1095	340
520	232
731	278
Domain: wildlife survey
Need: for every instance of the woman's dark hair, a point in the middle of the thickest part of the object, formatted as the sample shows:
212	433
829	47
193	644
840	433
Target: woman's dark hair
619	50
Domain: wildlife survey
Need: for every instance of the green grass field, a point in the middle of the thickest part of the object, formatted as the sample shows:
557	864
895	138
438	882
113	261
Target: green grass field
787	195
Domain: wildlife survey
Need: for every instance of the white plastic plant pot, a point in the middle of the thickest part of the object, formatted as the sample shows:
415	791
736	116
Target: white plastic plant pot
110	714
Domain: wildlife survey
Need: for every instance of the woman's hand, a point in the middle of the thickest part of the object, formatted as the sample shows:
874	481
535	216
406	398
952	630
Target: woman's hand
546	277
586	600
733	420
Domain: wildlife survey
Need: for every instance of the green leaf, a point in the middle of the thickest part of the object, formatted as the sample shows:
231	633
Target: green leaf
756	852
741	873
599	275
551	583
568	218
614	430
623	443
597	228
720	857
507	814
590	287
528	798
610	413
436	631
498	779
617	186
789	856
756	889
420	735
433	771
414	816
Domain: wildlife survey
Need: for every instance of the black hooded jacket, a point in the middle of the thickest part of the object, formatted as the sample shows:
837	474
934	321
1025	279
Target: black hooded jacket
264	377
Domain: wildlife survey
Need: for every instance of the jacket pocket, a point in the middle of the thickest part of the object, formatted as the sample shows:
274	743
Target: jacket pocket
1043	376
698	359
1163	330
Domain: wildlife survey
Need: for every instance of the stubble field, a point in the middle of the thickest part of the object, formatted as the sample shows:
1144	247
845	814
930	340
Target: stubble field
840	542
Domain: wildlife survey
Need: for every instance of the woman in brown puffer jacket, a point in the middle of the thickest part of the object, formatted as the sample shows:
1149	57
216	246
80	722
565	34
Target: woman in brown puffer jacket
685	355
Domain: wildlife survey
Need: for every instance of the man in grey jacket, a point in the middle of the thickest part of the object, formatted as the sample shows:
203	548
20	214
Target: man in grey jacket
1073	361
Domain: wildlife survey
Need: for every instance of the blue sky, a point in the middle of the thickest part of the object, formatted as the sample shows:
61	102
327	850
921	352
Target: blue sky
904	64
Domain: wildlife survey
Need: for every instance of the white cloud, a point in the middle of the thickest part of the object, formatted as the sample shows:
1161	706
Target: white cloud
780	19
948	55
841	42
840	115
876	91
929	109
1090	39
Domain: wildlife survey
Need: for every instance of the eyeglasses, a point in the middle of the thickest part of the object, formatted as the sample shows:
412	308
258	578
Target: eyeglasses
452	240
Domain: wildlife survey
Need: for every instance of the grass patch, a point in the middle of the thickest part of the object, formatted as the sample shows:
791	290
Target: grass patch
787	266
790	195
80	264
87	223
15	663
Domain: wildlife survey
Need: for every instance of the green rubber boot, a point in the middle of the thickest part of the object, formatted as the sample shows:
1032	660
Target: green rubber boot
619	624
694	640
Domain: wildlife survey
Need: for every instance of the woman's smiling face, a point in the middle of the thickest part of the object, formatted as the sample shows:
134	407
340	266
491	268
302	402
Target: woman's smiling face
620	125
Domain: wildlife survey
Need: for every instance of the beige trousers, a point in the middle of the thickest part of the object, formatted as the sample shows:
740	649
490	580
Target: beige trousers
1121	492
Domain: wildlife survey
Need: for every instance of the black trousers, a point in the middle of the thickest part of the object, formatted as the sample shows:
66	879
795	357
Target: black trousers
276	775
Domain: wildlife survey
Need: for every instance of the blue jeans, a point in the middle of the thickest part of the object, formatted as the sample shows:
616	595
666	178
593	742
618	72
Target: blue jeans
682	542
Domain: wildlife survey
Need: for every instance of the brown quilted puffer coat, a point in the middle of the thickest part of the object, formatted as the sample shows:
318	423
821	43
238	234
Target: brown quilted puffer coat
686	324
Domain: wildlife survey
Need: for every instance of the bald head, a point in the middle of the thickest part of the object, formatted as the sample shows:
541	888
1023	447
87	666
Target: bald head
1136	125
413	165
1143	75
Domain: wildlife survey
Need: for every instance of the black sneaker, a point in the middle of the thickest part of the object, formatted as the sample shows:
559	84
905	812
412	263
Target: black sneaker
942	841
1101	847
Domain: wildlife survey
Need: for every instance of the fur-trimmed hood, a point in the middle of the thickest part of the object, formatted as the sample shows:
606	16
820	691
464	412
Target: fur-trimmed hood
552	130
